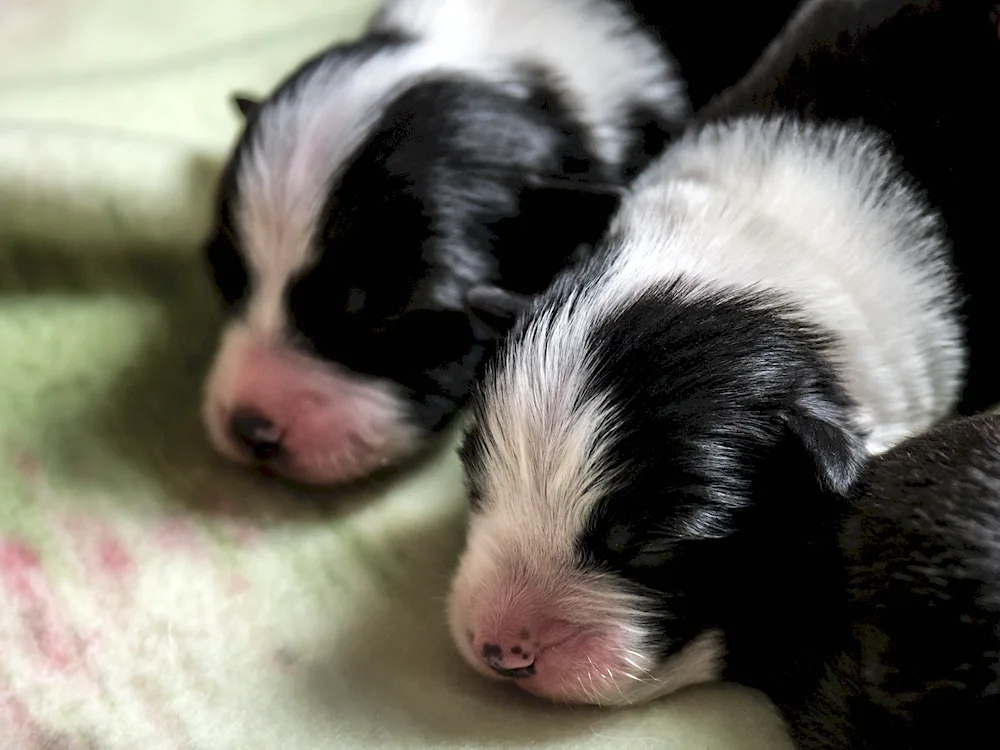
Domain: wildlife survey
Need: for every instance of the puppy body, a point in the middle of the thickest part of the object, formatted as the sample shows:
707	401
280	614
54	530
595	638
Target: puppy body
917	662
772	303
362	203
819	219
387	183
924	72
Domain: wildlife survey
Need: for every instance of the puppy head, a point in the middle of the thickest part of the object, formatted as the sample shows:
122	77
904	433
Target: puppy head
613	469
364	208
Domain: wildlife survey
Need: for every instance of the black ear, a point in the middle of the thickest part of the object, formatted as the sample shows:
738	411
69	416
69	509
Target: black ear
494	306
823	430
557	221
247	105
575	211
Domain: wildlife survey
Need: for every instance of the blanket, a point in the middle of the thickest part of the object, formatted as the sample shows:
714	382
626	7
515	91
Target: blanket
152	596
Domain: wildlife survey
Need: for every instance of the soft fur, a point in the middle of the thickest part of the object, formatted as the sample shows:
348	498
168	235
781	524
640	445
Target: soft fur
664	464
392	202
772	303
926	73
916	663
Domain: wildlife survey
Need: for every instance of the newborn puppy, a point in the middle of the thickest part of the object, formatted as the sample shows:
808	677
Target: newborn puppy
772	303
391	203
926	73
916	661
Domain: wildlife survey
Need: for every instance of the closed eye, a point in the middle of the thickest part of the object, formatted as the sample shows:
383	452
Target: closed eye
652	555
228	270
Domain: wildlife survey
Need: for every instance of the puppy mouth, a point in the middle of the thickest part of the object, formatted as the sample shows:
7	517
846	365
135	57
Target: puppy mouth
517	673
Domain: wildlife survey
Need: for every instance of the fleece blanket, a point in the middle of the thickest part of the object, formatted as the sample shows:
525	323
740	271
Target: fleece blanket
152	596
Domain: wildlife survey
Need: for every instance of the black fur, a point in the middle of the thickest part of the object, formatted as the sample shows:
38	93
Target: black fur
727	467
464	187
912	661
864	601
866	605
714	44
728	419
423	214
926	72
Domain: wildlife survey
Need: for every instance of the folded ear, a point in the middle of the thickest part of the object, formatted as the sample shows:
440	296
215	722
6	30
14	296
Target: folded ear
494	306
836	449
577	212
246	104
556	222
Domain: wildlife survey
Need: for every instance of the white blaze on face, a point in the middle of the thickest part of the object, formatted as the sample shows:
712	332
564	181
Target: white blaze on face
328	425
812	215
522	605
530	614
334	425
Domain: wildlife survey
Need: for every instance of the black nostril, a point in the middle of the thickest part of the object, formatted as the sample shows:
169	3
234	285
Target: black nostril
517	673
493	656
256	433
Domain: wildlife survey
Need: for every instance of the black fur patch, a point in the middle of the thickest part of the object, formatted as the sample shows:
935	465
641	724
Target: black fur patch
714	44
463	185
460	185
919	666
922	71
227	266
727	415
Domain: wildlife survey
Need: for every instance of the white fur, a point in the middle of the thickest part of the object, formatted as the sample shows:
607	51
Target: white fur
604	60
335	425
789	209
524	579
751	206
761	206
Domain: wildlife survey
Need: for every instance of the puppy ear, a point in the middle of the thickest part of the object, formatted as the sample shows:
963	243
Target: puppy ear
557	222
494	306
823	430
246	105
578	211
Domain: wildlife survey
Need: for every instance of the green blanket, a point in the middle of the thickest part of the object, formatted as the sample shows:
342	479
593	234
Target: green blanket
152	596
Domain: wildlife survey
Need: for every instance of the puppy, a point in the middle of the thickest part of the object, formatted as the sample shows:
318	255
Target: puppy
925	72
395	199
916	662
652	441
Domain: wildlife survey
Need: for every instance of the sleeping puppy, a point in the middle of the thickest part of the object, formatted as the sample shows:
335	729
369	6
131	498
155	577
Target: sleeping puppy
652	441
925	72
916	661
391	203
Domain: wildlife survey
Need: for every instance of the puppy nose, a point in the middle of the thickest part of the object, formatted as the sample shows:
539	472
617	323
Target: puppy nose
257	433
512	661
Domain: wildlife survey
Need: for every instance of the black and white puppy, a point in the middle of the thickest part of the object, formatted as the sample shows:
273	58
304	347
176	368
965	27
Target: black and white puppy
925	72
772	304
394	200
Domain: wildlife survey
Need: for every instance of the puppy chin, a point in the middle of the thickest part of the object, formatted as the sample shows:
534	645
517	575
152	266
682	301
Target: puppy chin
324	425
569	636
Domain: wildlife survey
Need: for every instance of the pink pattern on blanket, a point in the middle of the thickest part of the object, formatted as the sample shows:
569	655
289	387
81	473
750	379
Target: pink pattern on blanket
114	558
56	641
97	547
14	714
17	560
179	534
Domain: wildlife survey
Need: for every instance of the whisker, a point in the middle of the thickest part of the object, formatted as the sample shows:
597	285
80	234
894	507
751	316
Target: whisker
648	672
